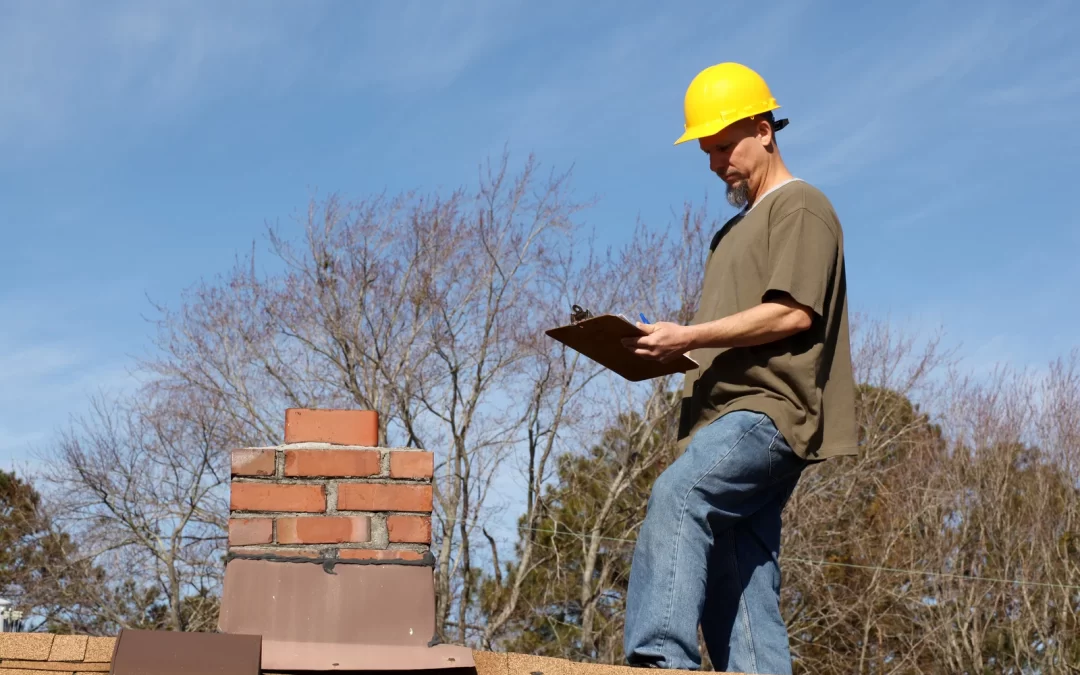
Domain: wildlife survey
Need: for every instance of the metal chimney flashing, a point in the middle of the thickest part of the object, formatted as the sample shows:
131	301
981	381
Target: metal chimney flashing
358	618
141	652
296	657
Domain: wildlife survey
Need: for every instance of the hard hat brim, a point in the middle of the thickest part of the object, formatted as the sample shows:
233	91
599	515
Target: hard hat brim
702	131
706	129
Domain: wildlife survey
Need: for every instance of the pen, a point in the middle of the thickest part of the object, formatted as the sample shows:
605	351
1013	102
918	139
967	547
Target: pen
643	319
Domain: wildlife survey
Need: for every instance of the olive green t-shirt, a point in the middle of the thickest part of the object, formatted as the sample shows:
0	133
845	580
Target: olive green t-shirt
789	242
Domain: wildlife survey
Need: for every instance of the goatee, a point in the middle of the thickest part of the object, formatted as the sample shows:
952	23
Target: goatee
738	194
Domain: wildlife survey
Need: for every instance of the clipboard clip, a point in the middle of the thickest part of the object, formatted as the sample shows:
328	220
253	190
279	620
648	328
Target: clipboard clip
578	314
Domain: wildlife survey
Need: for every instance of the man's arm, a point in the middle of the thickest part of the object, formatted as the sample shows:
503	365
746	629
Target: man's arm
803	254
770	321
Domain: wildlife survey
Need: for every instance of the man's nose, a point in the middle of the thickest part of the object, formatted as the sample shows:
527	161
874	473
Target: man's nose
716	163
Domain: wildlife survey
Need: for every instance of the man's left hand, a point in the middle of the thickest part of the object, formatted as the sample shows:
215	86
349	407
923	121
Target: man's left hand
664	342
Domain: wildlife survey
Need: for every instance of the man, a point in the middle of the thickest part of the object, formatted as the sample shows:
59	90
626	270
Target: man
774	393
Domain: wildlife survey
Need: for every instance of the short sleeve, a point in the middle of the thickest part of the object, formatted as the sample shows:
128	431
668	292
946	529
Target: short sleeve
803	254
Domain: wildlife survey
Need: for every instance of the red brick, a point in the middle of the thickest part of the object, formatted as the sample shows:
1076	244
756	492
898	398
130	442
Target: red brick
414	464
245	531
377	554
320	530
351	463
343	427
279	550
253	462
271	497
409	529
381	497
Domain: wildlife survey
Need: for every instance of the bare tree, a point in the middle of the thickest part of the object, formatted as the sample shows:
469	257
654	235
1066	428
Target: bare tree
933	549
654	272
951	541
142	485
426	309
1015	601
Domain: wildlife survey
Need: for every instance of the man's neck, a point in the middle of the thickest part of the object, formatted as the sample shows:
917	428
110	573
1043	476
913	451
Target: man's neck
775	174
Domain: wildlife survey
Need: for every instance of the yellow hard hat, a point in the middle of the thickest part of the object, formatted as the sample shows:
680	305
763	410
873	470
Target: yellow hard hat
723	94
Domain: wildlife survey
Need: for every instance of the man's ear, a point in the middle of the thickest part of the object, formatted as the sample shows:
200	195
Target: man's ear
764	132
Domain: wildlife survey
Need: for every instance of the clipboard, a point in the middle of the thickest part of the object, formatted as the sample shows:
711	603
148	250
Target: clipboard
599	339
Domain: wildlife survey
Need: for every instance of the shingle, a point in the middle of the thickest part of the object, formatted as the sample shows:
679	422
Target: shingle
25	646
53	666
525	664
491	663
99	649
68	648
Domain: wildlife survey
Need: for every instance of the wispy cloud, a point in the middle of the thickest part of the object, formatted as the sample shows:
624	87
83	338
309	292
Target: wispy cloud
940	205
132	61
53	358
903	88
626	80
73	69
19	363
412	46
40	395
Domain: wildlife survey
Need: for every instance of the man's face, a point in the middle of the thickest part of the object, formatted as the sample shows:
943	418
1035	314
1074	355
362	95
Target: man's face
734	155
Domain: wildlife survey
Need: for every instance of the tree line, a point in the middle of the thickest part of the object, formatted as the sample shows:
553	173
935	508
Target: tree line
950	544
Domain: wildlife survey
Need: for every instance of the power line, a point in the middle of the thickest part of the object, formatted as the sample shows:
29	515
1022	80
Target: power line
965	577
829	563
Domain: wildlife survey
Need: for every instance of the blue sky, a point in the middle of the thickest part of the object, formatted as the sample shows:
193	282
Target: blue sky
144	144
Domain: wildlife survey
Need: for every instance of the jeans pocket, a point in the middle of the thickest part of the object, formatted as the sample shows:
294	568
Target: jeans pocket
783	462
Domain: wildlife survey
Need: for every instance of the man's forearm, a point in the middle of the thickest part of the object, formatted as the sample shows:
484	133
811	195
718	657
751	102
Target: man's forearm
768	322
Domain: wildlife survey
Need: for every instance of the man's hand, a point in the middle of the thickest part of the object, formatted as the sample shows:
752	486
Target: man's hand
664	342
767	322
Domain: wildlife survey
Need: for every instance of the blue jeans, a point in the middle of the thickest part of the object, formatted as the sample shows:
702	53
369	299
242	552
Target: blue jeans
708	552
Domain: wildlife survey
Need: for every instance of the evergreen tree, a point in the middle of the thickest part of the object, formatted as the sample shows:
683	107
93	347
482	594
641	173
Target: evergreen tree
40	570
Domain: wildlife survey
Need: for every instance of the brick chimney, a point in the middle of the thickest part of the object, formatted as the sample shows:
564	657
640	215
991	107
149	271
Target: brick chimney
331	493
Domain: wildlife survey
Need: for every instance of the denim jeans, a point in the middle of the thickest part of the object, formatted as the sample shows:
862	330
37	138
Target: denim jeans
708	552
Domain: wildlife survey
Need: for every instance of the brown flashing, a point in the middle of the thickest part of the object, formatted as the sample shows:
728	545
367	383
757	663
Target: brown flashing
360	617
293	657
329	563
178	653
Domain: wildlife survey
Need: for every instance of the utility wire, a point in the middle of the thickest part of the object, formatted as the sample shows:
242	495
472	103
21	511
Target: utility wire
828	563
965	577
